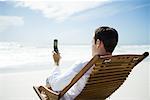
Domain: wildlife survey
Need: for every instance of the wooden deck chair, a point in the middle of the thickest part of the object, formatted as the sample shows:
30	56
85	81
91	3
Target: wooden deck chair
108	74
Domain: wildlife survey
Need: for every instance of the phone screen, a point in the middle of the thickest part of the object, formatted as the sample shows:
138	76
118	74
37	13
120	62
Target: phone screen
56	45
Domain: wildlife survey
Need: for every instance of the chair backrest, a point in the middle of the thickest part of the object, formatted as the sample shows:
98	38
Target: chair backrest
108	74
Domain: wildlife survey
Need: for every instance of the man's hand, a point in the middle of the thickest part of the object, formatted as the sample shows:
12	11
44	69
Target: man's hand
56	57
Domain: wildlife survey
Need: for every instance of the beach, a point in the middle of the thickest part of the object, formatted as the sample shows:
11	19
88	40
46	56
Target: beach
18	76
28	29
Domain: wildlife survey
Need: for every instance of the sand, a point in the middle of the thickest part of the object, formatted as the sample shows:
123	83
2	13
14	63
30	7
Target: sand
18	85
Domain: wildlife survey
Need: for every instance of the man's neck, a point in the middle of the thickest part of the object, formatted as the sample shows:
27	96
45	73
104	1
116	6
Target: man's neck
103	53
108	53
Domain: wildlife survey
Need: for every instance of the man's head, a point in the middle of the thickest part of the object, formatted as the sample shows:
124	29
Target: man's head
105	41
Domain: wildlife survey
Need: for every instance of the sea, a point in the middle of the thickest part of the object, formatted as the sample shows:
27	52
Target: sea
15	57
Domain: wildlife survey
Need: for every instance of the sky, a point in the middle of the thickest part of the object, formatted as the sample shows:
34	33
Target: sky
38	22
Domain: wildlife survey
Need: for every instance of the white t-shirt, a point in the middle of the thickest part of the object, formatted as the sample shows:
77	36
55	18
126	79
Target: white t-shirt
59	81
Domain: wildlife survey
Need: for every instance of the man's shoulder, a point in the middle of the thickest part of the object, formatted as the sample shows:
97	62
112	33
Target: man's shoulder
79	64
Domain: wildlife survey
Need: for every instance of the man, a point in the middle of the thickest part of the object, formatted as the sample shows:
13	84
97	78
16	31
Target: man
104	42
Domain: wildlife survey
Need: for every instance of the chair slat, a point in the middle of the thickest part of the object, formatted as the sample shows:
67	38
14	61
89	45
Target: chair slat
107	77
102	66
96	86
111	71
98	93
108	83
107	80
120	58
108	74
101	85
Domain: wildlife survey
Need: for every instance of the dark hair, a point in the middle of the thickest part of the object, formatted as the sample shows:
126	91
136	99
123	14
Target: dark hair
108	36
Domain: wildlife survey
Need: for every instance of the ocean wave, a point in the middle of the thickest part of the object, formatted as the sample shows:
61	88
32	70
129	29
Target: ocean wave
8	45
13	54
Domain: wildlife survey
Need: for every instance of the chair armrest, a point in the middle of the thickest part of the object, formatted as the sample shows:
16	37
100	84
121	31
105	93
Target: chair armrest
45	89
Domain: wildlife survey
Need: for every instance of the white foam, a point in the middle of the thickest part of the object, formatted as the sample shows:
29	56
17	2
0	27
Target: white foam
14	55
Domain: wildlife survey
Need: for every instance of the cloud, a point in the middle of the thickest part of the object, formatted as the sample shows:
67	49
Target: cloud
8	22
59	10
111	9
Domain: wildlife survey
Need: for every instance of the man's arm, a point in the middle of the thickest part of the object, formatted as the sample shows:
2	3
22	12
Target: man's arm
59	81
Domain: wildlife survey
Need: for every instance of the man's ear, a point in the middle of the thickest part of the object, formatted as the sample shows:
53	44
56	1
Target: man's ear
98	43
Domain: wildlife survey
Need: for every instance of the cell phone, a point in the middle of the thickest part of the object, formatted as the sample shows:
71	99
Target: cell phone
56	45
